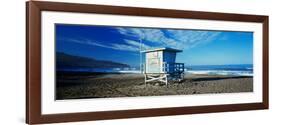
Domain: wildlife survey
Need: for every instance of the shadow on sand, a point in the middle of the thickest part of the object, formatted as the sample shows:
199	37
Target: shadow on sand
218	78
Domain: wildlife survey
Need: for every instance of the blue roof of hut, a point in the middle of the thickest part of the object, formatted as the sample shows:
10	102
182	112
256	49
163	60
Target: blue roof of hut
162	49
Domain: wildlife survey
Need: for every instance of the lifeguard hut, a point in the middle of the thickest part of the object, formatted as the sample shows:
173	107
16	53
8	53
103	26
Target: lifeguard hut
160	65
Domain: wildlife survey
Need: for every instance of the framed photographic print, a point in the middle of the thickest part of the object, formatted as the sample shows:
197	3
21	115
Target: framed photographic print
94	62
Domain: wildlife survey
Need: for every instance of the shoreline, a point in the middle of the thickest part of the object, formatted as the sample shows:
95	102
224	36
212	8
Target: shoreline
109	85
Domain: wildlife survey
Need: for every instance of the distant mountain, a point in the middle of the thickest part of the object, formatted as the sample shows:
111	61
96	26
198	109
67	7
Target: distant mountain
64	60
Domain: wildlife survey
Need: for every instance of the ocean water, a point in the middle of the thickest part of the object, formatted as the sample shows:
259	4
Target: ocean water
101	70
235	70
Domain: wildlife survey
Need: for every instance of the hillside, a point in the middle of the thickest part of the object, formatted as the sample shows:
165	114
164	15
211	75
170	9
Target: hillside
64	60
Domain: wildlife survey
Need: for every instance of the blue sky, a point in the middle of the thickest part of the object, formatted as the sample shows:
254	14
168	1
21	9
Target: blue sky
122	44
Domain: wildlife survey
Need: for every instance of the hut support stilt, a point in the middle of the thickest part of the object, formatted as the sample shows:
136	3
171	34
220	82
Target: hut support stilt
161	78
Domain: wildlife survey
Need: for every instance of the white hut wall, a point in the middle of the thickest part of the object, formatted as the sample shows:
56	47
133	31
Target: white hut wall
154	62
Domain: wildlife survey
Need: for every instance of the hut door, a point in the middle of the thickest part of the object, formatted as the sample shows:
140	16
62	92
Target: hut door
153	63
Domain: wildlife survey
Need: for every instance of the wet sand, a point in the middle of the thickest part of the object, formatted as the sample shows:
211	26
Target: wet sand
100	85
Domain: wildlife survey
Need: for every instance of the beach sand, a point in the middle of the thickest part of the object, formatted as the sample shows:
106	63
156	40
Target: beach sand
98	85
